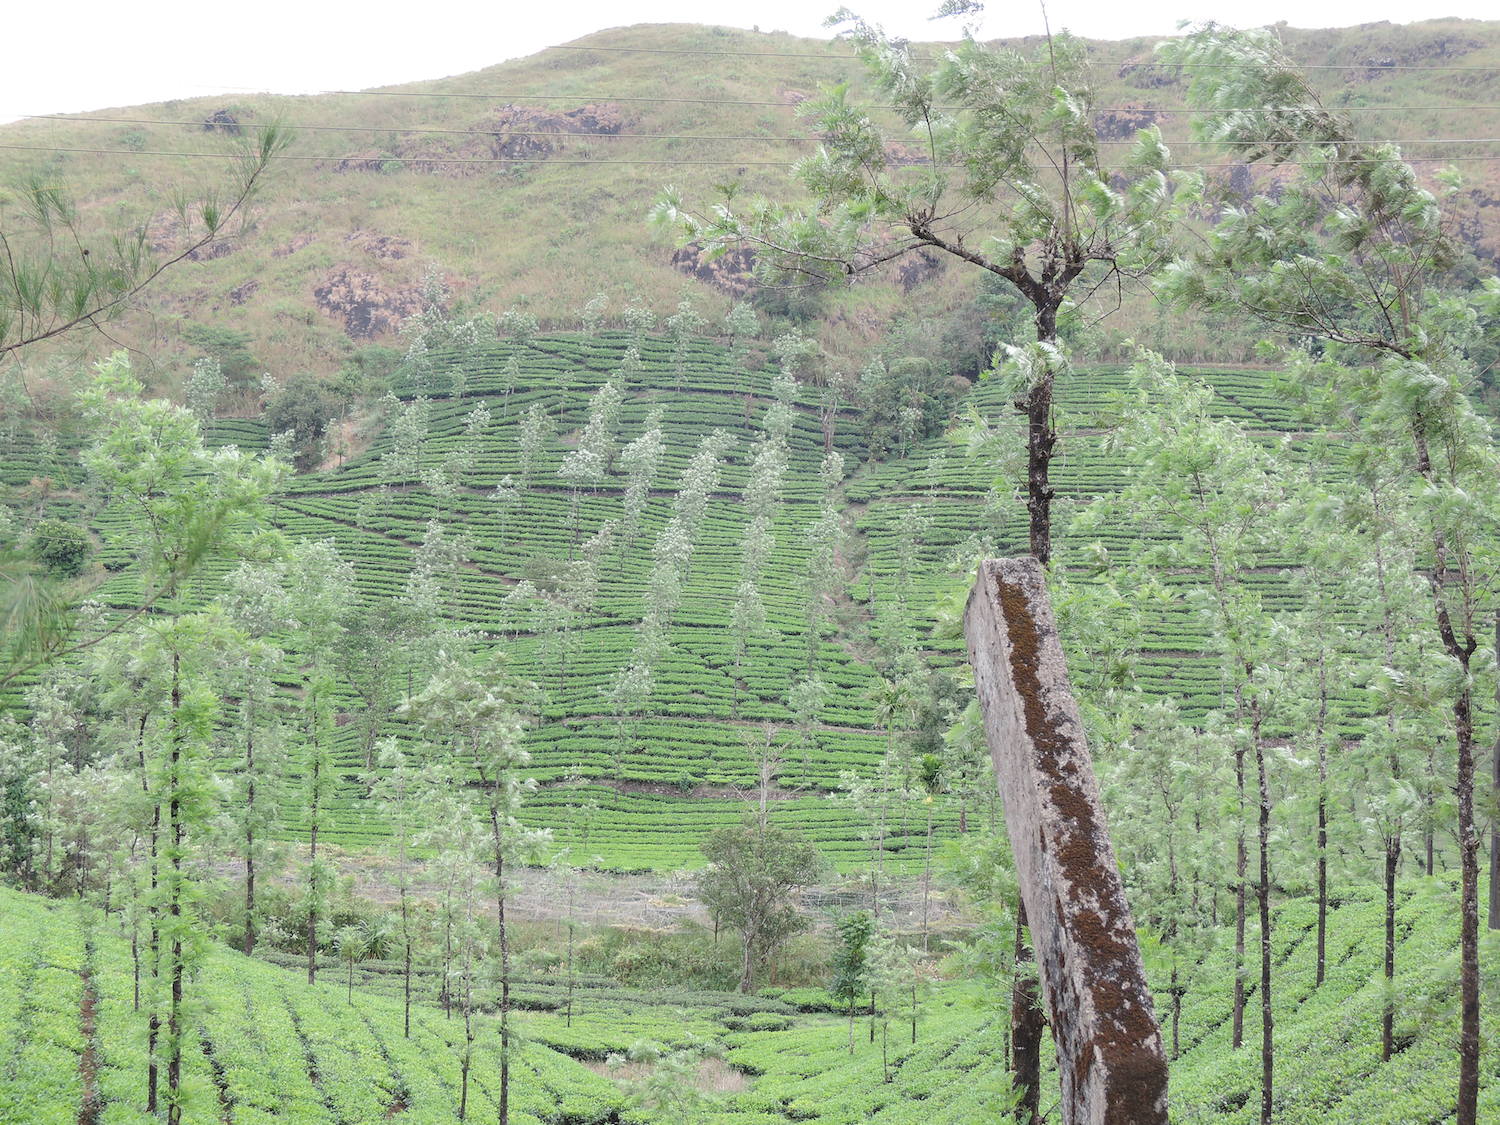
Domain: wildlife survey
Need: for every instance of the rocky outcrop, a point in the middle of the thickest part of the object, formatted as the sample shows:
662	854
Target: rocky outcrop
363	303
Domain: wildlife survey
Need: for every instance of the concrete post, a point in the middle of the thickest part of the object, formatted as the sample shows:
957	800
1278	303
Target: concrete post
1110	1056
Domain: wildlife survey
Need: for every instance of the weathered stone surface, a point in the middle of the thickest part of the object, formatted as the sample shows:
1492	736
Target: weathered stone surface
1110	1056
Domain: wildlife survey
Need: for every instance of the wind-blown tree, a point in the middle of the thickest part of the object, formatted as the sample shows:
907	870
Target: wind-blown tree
768	465
999	167
1212	489
478	712
681	327
1352	251
588	462
741	325
591	315
631	688
537	428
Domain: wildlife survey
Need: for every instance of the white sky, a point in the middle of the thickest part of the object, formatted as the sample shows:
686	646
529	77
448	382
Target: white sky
96	54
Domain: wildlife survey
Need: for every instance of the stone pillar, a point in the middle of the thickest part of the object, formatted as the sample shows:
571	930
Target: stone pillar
1109	1050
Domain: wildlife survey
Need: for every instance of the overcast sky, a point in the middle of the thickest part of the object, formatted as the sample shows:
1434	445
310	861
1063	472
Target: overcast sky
96	54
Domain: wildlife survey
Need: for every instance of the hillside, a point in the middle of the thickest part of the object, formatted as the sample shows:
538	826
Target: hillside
688	765
267	1047
529	181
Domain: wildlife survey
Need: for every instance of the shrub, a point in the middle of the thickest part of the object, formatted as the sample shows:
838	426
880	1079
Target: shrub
62	548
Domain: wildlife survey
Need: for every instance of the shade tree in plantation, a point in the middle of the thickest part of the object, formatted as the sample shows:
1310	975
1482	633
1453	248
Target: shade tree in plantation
477	713
682	326
520	327
1352	250
741	325
1012	181
591	315
762	502
640	460
1212	490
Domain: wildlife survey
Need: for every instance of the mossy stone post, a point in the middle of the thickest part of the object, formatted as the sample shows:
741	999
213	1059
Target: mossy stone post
1110	1056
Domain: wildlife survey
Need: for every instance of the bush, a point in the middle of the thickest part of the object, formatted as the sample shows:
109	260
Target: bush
304	407
62	548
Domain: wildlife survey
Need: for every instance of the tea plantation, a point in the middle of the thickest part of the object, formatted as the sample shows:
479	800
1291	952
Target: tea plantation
687	760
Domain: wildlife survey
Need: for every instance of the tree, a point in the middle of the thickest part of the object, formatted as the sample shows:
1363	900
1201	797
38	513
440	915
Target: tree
303	407
851	964
1009	179
179	503
64	274
480	713
1351	251
1212	488
754	872
205	387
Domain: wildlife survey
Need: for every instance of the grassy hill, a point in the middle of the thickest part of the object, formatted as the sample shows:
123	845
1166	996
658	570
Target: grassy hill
469	172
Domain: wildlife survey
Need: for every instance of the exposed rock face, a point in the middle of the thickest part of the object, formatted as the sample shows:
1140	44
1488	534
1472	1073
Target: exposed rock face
1109	1050
732	272
508	133
384	247
243	292
359	300
222	121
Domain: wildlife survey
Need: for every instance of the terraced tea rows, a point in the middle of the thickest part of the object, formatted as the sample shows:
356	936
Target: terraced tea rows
917	523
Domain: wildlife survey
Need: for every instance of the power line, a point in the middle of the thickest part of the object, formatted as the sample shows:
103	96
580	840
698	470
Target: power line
440	159
783	103
777	138
207	125
931	58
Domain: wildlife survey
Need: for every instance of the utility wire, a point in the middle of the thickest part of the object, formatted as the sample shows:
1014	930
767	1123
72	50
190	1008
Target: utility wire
783	103
933	58
776	138
440	159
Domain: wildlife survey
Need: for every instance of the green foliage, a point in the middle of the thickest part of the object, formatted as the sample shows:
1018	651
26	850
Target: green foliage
229	348
302	407
754	870
61	548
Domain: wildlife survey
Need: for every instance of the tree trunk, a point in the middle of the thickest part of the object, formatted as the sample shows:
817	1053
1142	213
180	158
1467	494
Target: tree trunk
406	966
1241	861
1494	919
312	876
1468	852
250	840
1026	1025
1322	969
1041	440
174	906
1388	1013
504	936
1263	899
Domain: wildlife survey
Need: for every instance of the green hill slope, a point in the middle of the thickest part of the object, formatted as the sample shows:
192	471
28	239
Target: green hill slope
269	1048
688	764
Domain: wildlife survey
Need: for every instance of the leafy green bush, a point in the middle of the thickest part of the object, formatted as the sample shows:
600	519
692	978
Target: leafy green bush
62	548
